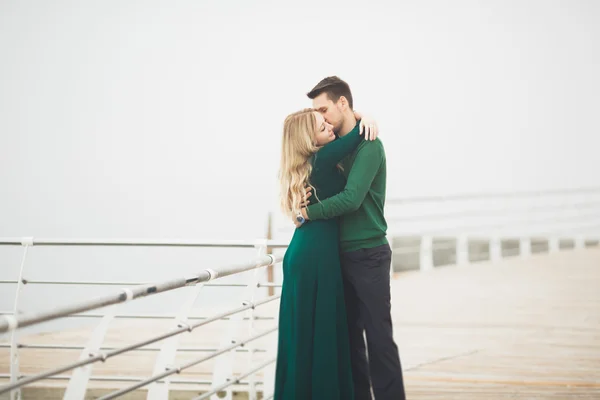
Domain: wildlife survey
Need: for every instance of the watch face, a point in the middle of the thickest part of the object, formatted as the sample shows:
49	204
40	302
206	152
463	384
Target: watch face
300	218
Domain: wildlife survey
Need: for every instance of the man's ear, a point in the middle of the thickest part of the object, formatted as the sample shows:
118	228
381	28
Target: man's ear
343	102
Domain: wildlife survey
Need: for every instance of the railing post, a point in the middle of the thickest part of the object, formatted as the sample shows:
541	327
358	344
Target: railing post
495	249
553	244
77	386
14	345
261	250
525	247
223	368
268	386
168	350
579	242
270	270
462	250
426	255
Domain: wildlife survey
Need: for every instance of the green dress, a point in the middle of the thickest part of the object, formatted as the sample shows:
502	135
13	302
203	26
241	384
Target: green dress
313	358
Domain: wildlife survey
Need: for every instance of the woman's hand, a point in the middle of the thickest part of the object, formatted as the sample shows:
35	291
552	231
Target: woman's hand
368	126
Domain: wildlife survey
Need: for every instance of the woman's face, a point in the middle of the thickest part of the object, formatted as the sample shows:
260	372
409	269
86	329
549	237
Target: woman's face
324	133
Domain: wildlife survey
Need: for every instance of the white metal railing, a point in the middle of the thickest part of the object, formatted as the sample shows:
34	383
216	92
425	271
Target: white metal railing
238	244
451	223
94	352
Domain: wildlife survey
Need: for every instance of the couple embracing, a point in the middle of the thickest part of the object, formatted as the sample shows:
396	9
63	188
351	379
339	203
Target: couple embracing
336	285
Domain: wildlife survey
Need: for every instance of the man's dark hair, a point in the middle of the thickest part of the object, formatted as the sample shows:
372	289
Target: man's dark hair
335	88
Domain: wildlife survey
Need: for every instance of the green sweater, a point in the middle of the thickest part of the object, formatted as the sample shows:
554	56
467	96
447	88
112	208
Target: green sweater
361	202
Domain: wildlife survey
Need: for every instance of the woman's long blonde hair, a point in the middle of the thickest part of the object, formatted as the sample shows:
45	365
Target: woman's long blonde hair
298	145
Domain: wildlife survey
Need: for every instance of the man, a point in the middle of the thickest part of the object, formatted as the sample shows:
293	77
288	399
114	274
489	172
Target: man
366	254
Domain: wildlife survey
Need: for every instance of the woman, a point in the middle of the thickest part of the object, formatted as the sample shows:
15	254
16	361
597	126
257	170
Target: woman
313	359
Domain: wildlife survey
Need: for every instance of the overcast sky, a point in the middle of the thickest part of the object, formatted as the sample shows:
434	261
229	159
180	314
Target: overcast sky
163	118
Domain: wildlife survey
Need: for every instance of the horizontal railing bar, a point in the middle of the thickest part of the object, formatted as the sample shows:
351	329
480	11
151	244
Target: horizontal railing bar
234	380
445	246
491	230
491	195
493	212
104	356
417	249
129	379
178	369
547	232
529	221
452	235
13	322
74	347
148	316
141	242
107	283
450	246
275	285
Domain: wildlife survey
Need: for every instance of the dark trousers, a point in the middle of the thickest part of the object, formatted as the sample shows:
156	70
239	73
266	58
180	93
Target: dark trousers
366	275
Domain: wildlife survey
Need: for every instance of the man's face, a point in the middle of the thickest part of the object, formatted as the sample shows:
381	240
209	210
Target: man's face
329	110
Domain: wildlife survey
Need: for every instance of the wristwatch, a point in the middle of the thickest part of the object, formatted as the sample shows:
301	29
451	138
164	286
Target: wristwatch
300	218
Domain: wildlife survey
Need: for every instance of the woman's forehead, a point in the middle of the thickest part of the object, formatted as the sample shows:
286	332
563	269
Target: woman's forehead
319	118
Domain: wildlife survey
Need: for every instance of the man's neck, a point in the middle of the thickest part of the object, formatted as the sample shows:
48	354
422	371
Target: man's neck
348	124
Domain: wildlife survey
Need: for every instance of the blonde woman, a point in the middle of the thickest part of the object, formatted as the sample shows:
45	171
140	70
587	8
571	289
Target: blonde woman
313	360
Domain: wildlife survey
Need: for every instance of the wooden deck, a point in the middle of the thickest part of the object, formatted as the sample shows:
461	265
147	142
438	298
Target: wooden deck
519	329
